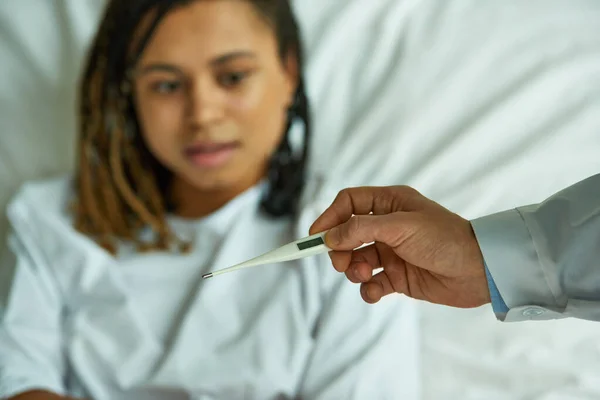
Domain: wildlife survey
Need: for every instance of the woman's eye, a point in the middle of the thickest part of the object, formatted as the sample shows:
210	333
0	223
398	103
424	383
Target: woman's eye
232	79
166	87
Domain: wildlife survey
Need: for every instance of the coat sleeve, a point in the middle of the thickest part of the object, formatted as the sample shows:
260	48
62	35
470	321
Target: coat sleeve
544	258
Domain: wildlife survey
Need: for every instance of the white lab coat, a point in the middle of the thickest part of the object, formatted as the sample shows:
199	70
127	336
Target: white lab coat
545	258
79	321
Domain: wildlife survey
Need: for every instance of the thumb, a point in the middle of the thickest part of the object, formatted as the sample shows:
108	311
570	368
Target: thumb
388	229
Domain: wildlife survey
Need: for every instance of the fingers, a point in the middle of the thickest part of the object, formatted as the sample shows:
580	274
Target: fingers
360	272
358	264
388	229
341	260
366	200
357	201
362	264
391	280
375	289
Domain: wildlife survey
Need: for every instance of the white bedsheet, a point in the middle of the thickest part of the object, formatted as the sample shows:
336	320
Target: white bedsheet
481	105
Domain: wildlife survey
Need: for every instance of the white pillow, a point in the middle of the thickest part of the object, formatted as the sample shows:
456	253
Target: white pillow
42	44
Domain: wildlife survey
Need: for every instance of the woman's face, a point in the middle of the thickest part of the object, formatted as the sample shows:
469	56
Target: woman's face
212	93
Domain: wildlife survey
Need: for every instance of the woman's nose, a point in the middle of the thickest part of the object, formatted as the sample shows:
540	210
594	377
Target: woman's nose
206	105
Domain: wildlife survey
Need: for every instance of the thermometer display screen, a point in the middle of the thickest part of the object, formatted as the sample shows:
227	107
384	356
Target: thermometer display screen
310	243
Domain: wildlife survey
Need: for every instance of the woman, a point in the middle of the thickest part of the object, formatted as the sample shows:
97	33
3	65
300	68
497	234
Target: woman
188	163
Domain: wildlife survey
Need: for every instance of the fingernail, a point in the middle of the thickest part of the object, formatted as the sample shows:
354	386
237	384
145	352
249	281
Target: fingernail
332	238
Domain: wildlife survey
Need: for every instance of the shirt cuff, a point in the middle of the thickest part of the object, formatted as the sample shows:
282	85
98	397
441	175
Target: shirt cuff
512	260
498	305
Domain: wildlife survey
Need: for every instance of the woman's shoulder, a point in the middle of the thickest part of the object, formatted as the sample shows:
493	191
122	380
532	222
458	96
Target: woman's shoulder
42	200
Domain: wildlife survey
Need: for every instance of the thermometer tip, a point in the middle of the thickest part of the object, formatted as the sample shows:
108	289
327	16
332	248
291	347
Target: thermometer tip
207	276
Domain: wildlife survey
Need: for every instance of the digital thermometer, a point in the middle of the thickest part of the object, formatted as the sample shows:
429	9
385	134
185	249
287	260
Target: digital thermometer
306	247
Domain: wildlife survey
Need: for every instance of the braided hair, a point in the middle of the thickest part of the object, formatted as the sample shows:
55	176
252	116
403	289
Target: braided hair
120	187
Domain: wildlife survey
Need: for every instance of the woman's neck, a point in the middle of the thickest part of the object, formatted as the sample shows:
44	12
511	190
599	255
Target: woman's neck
191	202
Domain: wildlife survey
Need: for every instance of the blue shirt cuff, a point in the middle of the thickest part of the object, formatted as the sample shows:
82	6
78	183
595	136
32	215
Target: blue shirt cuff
498	304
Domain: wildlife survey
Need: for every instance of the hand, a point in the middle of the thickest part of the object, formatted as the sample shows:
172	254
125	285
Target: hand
426	251
40	395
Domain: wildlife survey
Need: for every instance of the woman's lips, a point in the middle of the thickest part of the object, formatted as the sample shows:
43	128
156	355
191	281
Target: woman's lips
211	155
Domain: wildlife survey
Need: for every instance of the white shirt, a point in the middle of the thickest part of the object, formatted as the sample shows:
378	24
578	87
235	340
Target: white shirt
79	321
545	258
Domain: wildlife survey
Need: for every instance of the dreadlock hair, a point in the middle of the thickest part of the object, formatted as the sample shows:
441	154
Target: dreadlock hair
119	185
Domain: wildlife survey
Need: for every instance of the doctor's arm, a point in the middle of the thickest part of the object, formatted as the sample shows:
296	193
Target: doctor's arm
543	259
